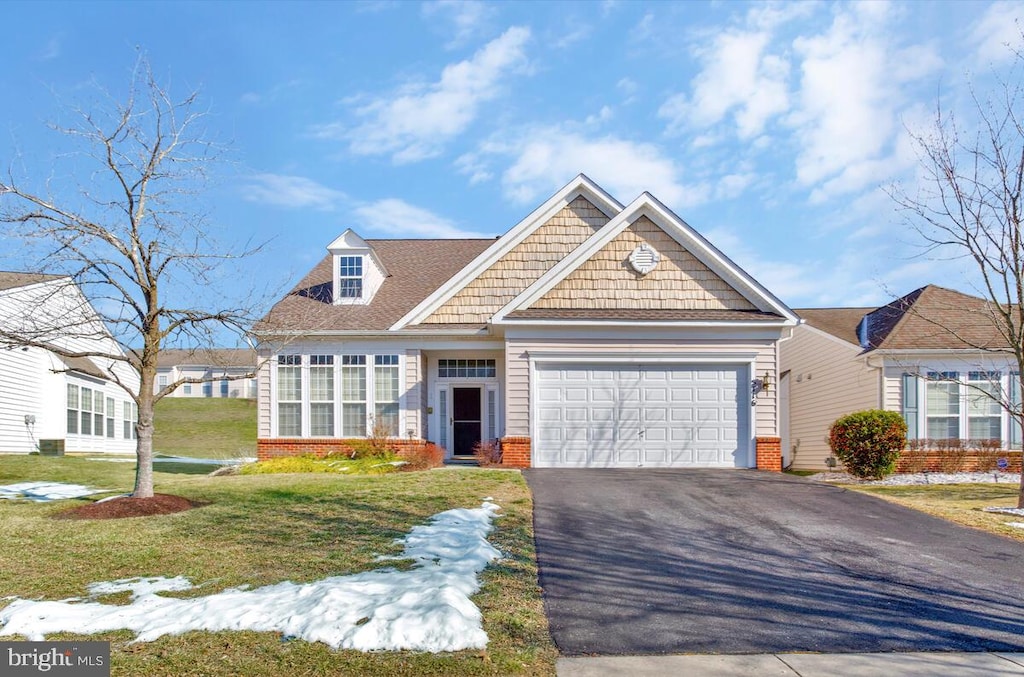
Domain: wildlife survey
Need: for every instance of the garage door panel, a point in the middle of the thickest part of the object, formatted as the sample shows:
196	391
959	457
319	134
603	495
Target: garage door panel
652	416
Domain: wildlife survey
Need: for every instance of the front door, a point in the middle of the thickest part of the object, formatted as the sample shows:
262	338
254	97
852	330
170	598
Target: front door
466	420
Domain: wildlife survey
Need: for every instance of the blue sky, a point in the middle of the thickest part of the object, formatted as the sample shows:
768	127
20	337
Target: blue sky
770	128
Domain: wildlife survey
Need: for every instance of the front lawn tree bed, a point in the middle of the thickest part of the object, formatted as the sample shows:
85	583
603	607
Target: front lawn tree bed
264	529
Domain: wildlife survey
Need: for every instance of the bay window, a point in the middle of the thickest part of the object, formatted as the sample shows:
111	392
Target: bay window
321	395
353	395
289	395
385	392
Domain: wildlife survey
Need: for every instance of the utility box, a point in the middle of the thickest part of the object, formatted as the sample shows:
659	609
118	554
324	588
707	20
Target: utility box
51	447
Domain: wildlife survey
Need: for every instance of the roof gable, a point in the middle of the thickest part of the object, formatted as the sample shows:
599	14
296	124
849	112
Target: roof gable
712	281
581	186
13	280
842	323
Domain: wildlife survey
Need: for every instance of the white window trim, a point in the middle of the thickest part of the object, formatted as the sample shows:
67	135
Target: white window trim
963	425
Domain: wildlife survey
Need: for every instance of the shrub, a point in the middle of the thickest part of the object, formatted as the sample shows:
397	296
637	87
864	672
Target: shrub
487	453
422	457
869	442
988	453
915	457
952	454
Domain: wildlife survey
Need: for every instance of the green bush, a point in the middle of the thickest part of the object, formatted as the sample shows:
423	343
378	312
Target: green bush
868	442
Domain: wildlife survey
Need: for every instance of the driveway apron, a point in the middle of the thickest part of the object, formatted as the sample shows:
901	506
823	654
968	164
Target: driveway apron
738	561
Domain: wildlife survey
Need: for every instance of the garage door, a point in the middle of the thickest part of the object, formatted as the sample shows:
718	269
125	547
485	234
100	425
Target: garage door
617	416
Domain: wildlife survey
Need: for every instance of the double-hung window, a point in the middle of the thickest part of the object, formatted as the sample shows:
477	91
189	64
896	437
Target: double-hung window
350	277
130	418
353	395
110	417
86	417
385	392
984	412
321	395
942	397
289	395
73	404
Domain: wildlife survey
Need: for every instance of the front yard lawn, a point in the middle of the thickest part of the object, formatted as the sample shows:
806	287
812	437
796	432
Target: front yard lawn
960	503
263	529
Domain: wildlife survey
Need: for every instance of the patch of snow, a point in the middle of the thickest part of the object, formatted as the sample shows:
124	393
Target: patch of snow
397	464
1006	511
901	479
46	491
202	461
1019	525
426	608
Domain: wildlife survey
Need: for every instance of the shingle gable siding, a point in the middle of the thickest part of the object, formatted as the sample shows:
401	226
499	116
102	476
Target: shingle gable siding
521	266
679	282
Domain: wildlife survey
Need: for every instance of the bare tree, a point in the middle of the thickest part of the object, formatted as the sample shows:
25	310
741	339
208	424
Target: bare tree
132	237
969	207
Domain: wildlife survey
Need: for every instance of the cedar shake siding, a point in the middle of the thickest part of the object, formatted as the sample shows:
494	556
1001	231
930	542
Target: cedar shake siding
607	280
520	267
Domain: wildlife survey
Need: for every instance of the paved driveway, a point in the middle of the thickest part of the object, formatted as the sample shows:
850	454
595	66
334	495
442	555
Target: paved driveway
736	561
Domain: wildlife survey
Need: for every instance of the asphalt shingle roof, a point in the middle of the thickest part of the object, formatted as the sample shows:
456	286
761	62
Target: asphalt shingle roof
11	280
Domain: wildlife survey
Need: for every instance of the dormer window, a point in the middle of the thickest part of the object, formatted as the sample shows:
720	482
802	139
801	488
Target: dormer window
357	271
350	277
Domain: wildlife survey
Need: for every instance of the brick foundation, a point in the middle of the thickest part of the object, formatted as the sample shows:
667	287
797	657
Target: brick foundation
769	453
515	452
972	461
291	446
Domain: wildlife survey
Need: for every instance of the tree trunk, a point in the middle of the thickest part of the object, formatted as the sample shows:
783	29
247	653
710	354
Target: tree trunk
144	431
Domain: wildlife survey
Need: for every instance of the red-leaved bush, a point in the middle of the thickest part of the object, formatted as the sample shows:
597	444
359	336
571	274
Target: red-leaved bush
868	442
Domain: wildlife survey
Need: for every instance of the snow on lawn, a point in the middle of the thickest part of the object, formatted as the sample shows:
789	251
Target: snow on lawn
900	479
46	491
426	608
1007	511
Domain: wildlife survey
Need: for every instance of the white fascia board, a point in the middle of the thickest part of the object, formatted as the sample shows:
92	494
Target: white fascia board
679	357
375	333
647	205
639	324
581	185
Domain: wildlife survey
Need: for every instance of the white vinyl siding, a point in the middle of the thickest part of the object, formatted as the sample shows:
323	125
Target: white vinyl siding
827	379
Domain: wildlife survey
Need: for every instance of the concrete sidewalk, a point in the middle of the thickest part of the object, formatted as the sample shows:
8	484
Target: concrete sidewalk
922	664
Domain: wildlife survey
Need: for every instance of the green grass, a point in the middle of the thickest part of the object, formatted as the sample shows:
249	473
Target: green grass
205	427
960	503
264	529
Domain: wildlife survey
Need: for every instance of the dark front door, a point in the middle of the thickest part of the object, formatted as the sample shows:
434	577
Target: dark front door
465	420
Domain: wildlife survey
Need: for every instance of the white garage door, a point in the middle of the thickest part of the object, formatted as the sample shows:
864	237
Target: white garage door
619	416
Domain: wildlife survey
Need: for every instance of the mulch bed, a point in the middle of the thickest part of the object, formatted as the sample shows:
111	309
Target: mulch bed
126	506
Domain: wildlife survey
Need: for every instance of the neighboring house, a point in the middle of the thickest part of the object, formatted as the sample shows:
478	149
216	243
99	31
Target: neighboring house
222	371
917	355
69	401
592	334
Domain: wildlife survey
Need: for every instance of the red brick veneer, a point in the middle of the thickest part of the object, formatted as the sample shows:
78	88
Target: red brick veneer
769	453
292	446
971	461
515	452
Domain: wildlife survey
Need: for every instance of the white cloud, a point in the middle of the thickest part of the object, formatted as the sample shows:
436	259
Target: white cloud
468	19
851	93
397	218
546	158
283	190
996	31
51	50
738	77
417	121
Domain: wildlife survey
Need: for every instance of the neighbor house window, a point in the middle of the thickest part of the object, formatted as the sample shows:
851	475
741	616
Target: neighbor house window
224	388
466	369
129	419
86	414
353	395
942	405
321	395
188	388
73	404
350	277
984	413
97	417
208	389
385	392
110	417
289	395
162	380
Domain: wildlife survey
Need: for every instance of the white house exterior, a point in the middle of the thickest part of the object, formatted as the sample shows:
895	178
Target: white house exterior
918	356
222	372
44	397
592	334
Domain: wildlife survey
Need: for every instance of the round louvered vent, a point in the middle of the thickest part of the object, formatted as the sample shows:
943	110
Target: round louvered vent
644	259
